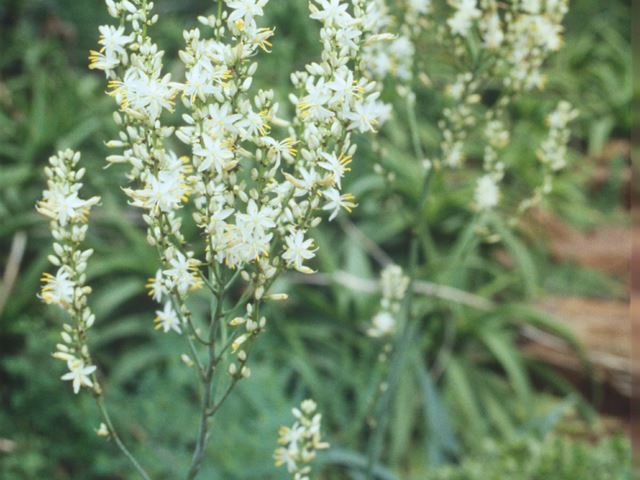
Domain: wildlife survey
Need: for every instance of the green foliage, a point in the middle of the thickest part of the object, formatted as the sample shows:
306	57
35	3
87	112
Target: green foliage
551	458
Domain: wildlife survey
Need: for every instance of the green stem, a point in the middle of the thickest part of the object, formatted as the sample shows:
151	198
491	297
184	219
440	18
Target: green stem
211	412
413	126
192	347
203	430
403	341
116	438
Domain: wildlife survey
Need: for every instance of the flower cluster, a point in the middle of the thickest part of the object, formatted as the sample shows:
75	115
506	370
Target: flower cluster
334	99
516	38
68	214
531	31
396	55
394	284
301	441
255	196
161	182
255	184
465	12
552	153
224	124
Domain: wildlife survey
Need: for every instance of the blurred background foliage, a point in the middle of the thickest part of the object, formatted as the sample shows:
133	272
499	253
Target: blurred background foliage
468	402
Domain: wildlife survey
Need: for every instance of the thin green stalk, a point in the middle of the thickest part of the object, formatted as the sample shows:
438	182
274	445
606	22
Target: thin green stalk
212	411
116	438
403	341
192	347
226	347
401	347
413	126
203	429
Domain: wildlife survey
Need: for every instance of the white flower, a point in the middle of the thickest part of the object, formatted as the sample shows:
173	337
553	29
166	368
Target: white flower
183	274
343	86
157	289
79	374
367	115
347	37
337	166
62	203
100	61
215	153
203	79
298	250
288	456
256	220
167	319
252	125
59	289
245	9
336	201
331	12
487	194
114	40
165	192
466	12
383	324
144	95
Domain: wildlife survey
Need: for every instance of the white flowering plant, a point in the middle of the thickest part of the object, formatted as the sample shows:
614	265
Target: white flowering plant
300	442
478	62
253	183
465	157
488	57
206	151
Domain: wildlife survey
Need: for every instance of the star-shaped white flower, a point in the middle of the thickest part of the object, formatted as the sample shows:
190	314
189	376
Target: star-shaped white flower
79	374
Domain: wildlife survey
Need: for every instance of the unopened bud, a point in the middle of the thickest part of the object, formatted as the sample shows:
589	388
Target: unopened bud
277	297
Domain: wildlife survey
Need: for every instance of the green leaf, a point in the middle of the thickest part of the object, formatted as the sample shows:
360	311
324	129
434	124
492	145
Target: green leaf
440	438
355	461
524	260
501	346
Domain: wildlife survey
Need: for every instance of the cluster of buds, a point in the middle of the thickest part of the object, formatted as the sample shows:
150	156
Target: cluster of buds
552	153
393	284
68	214
300	442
